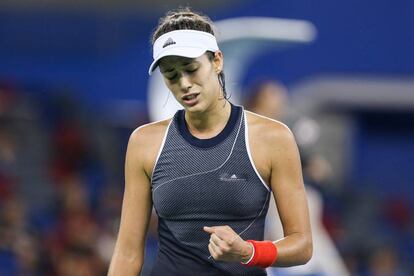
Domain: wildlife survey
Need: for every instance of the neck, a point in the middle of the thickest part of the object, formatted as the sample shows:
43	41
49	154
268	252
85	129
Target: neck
210	122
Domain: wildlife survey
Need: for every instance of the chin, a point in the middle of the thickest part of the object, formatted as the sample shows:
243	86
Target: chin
198	108
194	109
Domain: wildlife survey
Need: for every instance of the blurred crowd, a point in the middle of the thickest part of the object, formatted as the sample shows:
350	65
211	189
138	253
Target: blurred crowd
61	186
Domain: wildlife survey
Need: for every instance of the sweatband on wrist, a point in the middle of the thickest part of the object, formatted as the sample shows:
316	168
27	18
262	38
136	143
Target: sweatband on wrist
264	254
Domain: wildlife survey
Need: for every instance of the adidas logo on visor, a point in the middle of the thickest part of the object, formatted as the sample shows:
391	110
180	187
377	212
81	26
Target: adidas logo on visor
169	42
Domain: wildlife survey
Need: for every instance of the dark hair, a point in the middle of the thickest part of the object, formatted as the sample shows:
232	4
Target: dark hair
186	19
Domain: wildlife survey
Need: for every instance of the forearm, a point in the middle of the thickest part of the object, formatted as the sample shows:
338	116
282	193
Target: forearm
125	264
295	249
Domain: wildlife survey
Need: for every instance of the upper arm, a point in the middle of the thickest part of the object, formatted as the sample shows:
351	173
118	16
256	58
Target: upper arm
143	146
137	203
287	183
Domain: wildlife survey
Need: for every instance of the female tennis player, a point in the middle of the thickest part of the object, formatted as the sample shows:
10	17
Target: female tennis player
208	171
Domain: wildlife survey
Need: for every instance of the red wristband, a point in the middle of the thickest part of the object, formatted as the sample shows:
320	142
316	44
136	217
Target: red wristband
264	254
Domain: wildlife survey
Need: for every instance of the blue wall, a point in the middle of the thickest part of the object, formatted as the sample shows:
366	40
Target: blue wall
104	57
383	159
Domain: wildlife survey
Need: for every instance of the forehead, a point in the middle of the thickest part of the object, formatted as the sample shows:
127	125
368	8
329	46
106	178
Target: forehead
173	61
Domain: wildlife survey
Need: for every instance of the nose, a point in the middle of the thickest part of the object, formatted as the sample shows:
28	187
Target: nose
185	82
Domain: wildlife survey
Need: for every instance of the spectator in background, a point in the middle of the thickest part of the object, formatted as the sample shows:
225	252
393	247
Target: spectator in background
384	261
18	245
270	98
55	218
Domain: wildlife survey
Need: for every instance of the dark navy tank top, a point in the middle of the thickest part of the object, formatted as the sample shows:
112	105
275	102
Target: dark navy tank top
206	182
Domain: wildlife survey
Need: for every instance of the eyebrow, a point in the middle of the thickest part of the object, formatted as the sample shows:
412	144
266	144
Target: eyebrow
168	70
185	63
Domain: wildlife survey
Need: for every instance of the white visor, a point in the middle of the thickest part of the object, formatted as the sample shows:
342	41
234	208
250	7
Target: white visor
184	43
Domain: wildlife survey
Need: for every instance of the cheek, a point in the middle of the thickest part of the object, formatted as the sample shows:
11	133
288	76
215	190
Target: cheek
212	82
171	86
206	79
172	89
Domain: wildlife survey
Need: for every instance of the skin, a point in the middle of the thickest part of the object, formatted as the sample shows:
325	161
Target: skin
278	163
184	76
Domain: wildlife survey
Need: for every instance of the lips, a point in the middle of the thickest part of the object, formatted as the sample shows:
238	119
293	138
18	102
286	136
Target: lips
190	99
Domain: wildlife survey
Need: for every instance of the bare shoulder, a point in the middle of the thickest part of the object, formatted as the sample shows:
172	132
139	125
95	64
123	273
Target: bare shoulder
149	133
145	142
268	131
273	142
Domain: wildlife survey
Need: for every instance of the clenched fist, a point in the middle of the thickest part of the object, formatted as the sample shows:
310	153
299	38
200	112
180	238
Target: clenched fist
226	245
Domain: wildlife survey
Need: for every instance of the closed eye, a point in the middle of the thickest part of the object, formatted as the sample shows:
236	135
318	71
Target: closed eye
191	70
172	77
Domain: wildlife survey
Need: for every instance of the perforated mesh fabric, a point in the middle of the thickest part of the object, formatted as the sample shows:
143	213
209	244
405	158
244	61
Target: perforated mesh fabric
195	187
